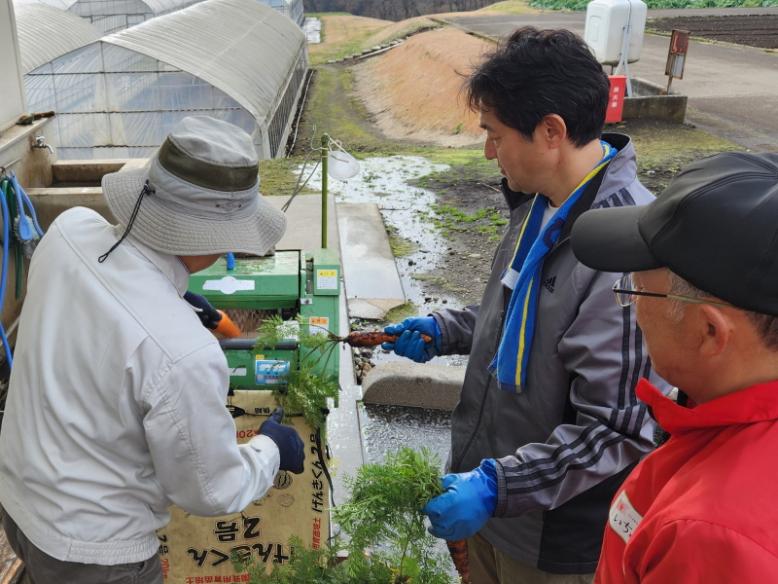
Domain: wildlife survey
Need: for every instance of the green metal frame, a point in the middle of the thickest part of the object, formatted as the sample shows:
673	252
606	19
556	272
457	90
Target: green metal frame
302	282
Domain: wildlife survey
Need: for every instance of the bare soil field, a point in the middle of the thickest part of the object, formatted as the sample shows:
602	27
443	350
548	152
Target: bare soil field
753	30
414	91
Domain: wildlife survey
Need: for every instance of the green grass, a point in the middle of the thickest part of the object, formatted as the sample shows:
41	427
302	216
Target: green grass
448	219
412	28
278	177
333	108
671	146
361	41
510	7
354	46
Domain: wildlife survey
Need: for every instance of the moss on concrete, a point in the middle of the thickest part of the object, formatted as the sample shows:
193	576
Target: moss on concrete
400	246
665	148
400	313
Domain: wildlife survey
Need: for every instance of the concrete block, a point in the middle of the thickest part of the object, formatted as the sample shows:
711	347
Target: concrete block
650	102
84	171
50	202
418	385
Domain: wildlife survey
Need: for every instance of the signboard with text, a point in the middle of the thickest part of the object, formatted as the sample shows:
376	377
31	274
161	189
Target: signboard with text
676	57
205	550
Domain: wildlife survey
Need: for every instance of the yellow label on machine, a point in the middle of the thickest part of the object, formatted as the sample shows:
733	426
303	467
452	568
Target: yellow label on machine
327	279
318	325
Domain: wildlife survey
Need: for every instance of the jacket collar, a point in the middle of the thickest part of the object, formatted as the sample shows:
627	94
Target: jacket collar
172	267
758	403
514	199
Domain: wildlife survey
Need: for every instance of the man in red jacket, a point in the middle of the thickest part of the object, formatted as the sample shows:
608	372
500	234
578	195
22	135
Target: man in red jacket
701	266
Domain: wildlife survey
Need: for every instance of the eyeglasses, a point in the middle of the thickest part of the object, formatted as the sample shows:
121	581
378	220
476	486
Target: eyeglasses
625	290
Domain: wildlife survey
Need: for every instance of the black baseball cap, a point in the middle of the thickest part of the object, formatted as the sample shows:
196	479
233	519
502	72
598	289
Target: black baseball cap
715	225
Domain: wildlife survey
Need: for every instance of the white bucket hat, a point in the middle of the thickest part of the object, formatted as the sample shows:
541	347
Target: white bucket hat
198	195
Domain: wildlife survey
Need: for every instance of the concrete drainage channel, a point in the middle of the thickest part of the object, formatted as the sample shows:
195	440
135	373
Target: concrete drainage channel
409	404
401	403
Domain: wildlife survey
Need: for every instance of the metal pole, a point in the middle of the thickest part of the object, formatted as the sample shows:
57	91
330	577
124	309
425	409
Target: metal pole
325	150
623	65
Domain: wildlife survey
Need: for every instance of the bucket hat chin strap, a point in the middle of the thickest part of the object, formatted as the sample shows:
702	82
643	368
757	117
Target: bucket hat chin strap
146	190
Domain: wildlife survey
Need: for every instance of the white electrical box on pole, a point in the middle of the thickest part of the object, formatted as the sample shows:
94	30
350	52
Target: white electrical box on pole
614	31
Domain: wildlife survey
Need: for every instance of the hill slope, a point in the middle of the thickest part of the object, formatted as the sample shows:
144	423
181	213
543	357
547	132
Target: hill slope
415	93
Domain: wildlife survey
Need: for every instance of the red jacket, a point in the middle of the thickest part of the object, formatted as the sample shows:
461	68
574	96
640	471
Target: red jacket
704	506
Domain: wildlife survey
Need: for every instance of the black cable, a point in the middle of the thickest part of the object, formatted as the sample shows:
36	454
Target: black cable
147	190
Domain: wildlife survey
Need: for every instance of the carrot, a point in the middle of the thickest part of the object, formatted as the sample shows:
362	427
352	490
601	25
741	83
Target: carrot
458	551
373	338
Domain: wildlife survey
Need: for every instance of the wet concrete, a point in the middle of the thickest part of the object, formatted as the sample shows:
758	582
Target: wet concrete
384	181
343	434
372	283
386	429
303	223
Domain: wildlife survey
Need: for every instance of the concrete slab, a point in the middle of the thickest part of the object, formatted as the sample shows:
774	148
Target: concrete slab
372	283
343	435
420	385
303	222
648	101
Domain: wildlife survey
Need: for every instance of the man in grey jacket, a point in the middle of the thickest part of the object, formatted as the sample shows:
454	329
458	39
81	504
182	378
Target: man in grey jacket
548	424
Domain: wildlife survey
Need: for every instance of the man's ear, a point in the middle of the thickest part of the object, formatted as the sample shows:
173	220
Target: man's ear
552	130
716	331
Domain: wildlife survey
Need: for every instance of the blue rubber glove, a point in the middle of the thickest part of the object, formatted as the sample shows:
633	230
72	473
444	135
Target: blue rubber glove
290	446
409	342
469	501
208	315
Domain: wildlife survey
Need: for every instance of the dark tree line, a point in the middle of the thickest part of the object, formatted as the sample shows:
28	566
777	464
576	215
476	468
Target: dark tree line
393	9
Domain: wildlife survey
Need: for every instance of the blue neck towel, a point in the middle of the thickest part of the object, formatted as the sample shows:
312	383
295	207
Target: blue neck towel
524	274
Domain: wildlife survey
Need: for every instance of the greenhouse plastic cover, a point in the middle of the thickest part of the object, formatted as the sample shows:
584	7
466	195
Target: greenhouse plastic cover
243	48
46	33
108	7
61	4
165	6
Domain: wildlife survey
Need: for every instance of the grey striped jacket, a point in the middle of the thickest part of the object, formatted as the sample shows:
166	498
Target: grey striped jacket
566	442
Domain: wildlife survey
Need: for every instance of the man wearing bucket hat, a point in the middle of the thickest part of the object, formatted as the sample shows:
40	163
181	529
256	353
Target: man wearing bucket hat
701	268
116	406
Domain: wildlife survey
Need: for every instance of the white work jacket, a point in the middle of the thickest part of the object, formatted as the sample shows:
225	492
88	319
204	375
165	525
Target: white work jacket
116	406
